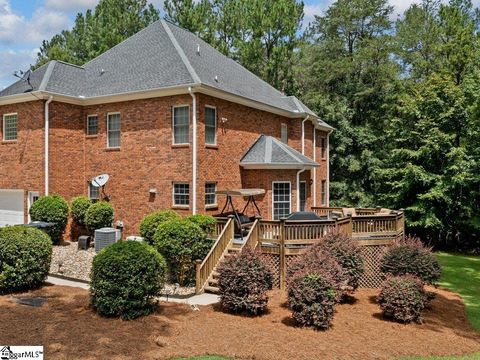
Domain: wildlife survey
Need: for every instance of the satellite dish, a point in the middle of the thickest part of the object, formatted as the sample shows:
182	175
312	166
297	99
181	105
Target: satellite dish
100	180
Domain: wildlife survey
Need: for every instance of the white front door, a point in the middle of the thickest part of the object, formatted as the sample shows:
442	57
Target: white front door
11	207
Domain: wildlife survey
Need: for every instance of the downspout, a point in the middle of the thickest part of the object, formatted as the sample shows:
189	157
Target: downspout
194	152
303	134
314	169
298	187
47	129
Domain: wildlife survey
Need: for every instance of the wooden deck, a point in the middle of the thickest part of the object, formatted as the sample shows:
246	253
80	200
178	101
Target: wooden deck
280	241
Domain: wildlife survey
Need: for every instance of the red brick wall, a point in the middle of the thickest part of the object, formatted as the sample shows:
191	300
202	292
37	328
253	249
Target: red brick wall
147	159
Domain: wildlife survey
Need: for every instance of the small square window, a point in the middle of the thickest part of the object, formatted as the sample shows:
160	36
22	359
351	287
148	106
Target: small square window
92	125
93	192
181	194
10	127
210	193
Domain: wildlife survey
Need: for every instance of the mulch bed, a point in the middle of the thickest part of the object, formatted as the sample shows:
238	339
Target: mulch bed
69	329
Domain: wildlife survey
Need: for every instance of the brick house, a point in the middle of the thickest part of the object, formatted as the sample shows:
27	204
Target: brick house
171	120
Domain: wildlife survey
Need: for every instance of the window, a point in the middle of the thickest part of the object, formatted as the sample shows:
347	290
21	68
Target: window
303	195
284	133
10	127
181	194
324	192
93	192
92	125
210	125
32	197
281	200
210	195
113	130
181	125
323	143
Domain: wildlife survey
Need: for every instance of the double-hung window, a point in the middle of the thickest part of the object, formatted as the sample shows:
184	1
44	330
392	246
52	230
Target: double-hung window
92	125
210	125
113	130
281	199
93	192
10	127
210	194
323	143
181	194
181	125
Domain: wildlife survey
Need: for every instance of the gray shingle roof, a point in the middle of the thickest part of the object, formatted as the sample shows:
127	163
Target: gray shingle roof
161	55
269	152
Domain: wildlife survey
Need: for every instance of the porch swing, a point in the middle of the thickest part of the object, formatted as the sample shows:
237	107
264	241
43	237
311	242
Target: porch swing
245	218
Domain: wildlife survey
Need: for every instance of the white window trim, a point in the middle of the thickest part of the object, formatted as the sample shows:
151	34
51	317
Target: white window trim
182	206
3	127
86	125
284	126
300	197
215	141
108	129
273	197
215	204
31	194
173	124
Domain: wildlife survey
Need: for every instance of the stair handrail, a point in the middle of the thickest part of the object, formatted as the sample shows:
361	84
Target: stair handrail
205	268
252	237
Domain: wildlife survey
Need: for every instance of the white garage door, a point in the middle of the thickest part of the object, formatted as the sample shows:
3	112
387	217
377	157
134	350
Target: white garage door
11	207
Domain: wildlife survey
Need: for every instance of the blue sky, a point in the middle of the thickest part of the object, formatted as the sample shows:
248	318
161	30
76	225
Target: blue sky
25	23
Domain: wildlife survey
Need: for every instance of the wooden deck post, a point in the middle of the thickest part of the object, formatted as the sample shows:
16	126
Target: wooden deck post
283	268
198	285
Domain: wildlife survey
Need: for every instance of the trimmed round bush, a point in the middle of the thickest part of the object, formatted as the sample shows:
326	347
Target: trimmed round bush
79	208
348	255
125	279
181	242
312	298
403	298
150	223
317	260
206	222
25	256
52	209
410	256
99	215
243	283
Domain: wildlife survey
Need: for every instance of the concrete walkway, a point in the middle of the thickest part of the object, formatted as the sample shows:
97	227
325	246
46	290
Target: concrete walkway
202	299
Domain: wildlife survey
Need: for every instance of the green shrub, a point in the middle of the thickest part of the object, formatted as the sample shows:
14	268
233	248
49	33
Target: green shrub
403	298
206	222
317	260
150	223
52	209
79	208
25	256
312	298
99	215
410	256
125	278
348	255
243	283
181	242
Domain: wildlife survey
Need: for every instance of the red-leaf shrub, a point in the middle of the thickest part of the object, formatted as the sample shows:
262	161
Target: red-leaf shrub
411	256
317	260
312	298
243	283
348	255
403	298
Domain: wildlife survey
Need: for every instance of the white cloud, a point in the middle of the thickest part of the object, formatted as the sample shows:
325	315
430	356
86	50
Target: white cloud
70	5
13	60
311	10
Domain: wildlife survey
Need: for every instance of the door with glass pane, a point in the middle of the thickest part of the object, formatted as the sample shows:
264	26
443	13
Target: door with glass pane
281	199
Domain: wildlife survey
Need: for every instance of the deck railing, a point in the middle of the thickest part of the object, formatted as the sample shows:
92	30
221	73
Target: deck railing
252	238
205	268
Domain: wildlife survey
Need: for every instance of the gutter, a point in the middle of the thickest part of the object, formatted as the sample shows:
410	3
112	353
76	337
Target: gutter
194	151
47	129
298	187
303	134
